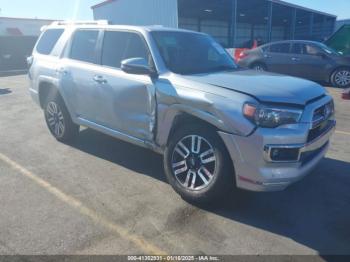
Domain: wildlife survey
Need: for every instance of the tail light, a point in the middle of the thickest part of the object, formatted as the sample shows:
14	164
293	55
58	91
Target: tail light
242	55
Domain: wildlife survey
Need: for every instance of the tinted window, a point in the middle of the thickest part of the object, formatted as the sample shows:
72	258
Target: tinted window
48	41
298	49
191	53
280	48
312	49
118	46
84	45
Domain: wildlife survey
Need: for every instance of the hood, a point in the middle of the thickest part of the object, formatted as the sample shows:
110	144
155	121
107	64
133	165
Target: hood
265	87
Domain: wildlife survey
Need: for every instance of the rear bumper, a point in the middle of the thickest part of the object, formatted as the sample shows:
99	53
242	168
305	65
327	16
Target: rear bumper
256	173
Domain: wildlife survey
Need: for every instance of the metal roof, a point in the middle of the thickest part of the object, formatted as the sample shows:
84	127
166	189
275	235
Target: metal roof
102	3
274	1
301	7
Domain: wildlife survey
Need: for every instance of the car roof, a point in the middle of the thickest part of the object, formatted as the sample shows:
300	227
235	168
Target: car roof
291	42
104	25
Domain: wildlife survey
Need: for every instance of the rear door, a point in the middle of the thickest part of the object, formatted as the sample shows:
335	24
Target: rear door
278	59
127	101
77	72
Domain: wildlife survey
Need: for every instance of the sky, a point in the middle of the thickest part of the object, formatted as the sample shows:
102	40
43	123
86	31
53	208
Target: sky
80	9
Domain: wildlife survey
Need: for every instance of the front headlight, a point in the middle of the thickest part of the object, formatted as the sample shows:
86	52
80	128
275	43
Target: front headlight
271	117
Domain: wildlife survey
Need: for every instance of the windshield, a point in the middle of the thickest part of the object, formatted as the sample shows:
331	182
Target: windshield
190	53
329	50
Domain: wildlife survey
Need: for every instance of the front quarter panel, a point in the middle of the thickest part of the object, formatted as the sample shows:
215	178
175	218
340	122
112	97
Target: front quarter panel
214	105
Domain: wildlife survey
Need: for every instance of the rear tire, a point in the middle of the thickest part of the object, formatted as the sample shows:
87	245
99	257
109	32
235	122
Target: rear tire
259	67
197	165
341	77
58	119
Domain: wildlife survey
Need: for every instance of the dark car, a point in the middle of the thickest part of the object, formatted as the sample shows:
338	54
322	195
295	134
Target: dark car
306	59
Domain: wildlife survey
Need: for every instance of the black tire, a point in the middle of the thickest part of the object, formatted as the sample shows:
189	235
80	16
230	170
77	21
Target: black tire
341	77
223	174
58	118
260	67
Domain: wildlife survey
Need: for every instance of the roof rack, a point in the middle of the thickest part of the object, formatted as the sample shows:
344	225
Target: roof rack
72	22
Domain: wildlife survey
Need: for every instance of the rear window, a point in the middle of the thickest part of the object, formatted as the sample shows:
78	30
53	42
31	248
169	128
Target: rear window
84	46
280	48
48	41
298	49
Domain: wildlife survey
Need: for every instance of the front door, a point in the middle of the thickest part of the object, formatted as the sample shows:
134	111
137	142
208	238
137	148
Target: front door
309	61
277	58
127	101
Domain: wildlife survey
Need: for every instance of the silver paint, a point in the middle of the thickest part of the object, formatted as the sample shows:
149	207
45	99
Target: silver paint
142	110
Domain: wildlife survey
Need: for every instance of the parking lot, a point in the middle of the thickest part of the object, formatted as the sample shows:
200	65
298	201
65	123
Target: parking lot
103	196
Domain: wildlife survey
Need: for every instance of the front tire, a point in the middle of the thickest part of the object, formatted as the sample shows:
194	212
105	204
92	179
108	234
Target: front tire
341	78
58	119
197	165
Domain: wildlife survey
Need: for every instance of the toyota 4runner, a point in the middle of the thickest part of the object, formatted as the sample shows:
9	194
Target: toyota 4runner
179	93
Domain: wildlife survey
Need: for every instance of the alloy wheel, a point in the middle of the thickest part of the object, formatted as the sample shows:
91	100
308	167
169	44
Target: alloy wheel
194	162
259	68
342	78
55	119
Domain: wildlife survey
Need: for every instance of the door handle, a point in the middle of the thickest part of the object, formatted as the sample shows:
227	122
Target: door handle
295	59
267	56
100	79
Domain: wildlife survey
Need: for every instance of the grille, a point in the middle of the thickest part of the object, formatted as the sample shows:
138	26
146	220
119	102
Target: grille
318	131
320	121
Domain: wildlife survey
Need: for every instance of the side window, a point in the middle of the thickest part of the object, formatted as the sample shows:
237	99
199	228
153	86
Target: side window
280	48
312	50
298	49
84	46
114	47
48	41
118	46
136	47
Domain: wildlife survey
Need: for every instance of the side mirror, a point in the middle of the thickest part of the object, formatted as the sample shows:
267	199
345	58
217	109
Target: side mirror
136	66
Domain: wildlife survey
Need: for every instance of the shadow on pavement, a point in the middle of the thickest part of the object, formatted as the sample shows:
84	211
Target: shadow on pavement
12	73
5	91
315	212
121	153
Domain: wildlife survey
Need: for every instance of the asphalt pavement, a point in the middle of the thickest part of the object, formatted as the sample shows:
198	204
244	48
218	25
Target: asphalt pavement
103	196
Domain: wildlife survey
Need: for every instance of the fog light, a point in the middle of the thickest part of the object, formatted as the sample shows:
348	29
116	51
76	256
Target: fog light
284	154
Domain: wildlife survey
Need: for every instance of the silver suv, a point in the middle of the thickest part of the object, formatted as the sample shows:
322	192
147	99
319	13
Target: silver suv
180	94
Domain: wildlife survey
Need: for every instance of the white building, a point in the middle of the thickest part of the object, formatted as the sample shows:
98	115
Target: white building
21	26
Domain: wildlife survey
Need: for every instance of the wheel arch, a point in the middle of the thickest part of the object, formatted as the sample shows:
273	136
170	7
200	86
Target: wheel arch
171	117
184	118
334	70
44	90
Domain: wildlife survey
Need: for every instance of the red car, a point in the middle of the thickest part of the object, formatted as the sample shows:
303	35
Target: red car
238	53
